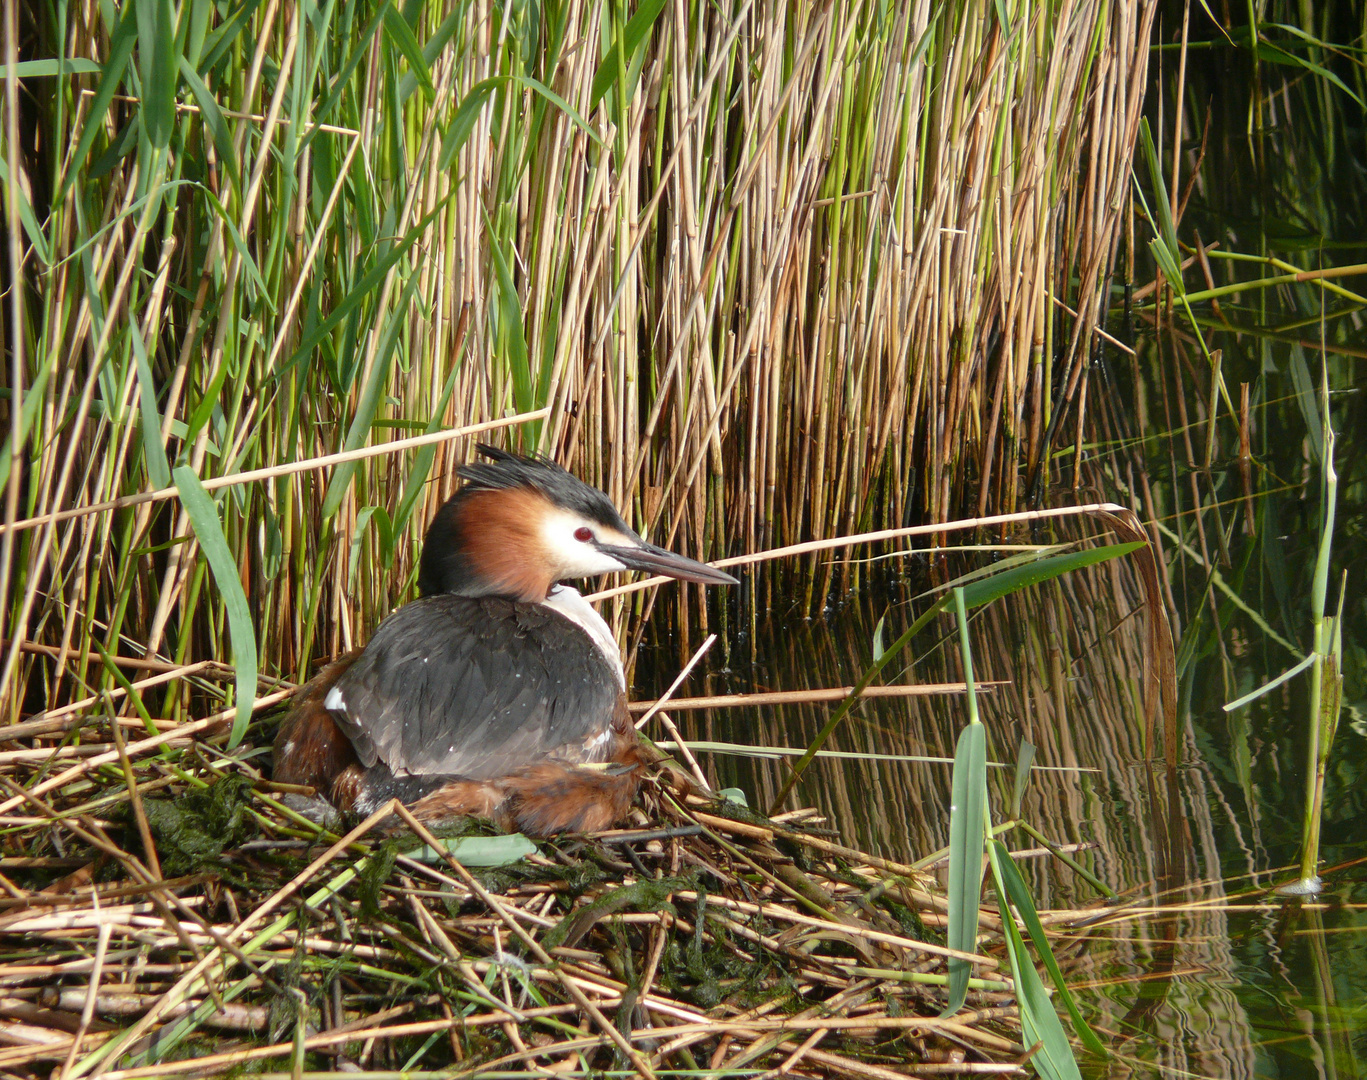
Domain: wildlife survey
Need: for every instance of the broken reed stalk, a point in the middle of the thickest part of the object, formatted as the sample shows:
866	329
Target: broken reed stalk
799	697
1020	517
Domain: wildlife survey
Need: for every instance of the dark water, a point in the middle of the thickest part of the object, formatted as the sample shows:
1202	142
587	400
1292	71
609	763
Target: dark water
1205	972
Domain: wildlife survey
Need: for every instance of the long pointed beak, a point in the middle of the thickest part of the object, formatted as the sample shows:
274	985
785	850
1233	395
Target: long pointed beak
656	560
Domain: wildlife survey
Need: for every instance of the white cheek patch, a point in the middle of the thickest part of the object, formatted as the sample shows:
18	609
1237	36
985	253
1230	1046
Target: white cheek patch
574	558
613	538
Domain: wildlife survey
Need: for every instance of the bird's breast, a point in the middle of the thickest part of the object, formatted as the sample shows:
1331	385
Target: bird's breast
567	602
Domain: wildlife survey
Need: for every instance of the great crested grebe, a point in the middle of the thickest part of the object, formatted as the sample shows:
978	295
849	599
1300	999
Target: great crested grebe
487	695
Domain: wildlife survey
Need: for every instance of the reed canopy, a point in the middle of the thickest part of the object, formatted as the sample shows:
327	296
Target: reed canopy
765	272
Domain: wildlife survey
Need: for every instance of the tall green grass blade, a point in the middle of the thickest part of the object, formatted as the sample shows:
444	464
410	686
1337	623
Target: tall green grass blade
27	218
1040	1024
508	319
1307	399
966	654
967	821
1016	892
1036	573
398	31
157	69
432	48
465	118
1164	247
634	33
213	119
1219	23
1326	679
575	116
968	824
1276	55
467	115
1024	558
209	531
1267	687
201	13
119	148
263	294
372	395
207	403
154	451
37	69
223	36
121	44
121	680
1025	756
1167	262
34	397
1296	31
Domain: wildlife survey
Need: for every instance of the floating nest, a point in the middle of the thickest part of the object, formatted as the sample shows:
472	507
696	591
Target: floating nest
164	912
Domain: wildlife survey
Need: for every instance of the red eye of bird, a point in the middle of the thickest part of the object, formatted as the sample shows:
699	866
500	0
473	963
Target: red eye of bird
583	534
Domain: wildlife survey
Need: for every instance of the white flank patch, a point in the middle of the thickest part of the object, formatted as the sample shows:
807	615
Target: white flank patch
598	741
579	611
333	702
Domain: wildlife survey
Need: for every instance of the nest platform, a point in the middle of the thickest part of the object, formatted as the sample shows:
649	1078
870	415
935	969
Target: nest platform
163	912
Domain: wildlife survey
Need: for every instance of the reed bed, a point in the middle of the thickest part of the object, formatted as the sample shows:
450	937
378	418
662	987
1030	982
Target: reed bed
763	272
170	916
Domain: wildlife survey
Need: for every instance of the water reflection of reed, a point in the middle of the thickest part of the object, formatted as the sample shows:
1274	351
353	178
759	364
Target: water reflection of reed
1071	656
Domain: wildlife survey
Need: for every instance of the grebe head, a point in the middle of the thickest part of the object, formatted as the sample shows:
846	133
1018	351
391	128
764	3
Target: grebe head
521	524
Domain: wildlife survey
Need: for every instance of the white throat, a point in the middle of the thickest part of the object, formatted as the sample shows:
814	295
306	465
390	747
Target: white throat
569	603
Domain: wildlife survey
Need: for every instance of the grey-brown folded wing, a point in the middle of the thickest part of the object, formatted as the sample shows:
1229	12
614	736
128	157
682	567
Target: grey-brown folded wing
475	688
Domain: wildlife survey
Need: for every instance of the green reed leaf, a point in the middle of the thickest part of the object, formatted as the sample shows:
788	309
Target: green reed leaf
153	449
1040	1024
479	850
121	44
157	68
208	529
214	121
1036	573
1009	877
398	31
967	817
635	31
37	69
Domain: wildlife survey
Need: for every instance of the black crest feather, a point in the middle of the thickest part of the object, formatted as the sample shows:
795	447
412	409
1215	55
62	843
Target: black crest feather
506	470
